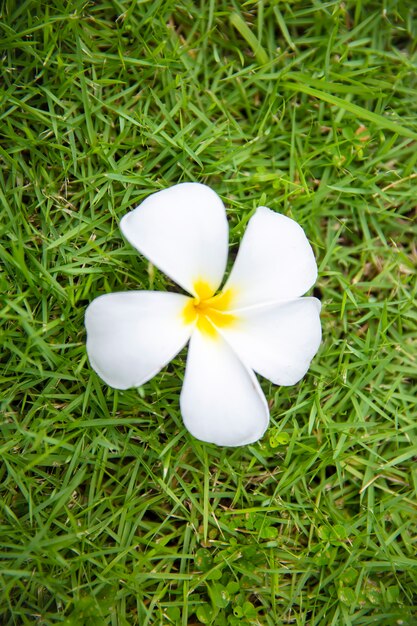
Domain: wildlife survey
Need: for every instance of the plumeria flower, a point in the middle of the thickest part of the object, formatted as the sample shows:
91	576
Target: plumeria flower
257	323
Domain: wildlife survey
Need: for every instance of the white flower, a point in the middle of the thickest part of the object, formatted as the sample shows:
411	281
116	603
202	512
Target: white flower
258	323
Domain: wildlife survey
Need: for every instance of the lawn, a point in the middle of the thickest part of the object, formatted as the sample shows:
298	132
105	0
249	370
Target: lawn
110	512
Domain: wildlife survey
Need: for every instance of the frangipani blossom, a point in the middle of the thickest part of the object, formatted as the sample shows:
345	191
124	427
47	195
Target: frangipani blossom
257	323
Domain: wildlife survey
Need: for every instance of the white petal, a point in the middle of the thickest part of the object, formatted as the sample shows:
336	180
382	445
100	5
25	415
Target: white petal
278	341
221	400
183	231
275	261
131	336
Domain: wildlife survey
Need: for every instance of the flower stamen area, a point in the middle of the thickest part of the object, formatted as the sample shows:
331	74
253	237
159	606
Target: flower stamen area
208	311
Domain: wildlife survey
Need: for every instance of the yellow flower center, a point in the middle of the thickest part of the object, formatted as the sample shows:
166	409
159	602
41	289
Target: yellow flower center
209	311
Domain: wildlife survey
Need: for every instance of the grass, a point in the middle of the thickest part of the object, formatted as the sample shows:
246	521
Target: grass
110	513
